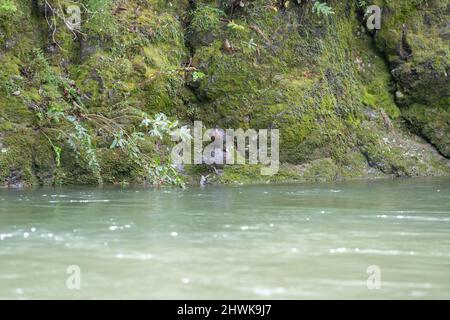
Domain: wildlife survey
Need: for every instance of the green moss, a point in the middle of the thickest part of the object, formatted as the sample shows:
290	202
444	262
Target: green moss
205	22
118	167
432	123
73	171
322	170
18	157
335	96
241	174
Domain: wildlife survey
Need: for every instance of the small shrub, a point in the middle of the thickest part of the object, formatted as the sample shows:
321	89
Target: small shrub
322	9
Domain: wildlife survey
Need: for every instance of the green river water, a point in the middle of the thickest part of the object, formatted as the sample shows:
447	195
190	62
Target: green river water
309	241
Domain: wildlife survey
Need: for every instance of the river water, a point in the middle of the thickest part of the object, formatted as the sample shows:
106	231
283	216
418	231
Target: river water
309	241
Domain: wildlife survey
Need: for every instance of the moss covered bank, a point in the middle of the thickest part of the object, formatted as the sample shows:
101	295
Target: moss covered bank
349	103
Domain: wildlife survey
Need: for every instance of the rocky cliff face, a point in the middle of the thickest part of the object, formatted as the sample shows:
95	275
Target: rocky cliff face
348	102
415	43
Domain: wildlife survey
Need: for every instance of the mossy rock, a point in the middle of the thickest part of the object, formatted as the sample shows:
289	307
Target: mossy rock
335	92
413	40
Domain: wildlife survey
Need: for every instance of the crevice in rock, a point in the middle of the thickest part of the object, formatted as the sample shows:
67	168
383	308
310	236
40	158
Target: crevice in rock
405	52
186	23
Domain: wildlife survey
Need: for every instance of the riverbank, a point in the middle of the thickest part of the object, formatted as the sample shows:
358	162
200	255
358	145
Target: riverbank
93	107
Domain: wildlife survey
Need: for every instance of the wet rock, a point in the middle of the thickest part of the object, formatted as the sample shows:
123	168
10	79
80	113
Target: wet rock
399	95
371	114
204	180
373	171
88	47
9	43
15	179
205	39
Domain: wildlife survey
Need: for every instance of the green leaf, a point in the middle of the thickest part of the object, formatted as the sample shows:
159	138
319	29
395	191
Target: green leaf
197	75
